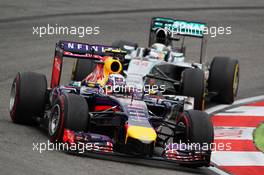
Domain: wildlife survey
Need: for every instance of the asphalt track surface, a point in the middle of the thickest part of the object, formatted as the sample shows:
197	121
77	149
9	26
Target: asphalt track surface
20	50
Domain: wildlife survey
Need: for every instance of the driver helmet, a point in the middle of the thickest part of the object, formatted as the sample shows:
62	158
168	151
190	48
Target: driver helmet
159	51
115	82
159	47
162	36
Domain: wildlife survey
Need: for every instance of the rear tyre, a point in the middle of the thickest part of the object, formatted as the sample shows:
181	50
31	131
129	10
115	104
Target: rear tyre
193	86
82	68
125	45
68	112
224	79
27	97
198	130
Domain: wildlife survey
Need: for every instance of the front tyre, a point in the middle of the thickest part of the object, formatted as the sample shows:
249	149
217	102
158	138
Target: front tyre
27	97
198	129
193	86
68	112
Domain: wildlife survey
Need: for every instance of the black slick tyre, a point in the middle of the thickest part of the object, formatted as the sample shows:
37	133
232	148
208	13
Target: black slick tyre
224	79
27	97
193	86
82	68
69	111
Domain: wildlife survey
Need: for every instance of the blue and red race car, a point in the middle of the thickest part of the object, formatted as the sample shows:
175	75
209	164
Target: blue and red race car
126	121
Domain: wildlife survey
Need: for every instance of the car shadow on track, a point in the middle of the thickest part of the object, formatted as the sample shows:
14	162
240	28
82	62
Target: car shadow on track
143	162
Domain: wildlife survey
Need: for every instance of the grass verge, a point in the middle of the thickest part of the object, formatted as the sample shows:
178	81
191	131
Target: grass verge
259	137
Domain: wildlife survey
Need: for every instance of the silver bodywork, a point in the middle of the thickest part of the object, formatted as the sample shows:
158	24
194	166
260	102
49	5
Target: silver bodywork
140	66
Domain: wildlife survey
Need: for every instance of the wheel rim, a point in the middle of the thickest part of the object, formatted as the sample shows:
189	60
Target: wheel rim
183	123
54	119
236	81
12	97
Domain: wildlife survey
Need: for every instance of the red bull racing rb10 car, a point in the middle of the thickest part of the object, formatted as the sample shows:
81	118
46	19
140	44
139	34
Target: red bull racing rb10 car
130	122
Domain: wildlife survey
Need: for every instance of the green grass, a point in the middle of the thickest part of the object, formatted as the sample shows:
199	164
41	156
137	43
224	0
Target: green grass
259	137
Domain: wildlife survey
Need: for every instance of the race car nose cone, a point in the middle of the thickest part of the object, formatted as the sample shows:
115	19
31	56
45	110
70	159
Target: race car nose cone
144	134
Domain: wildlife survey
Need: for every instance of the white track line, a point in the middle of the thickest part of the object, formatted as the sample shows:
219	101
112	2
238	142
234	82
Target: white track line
237	102
248	100
245	111
217	170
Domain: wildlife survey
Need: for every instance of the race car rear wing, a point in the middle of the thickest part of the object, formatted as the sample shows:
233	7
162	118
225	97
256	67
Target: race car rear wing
83	50
174	27
78	51
179	27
